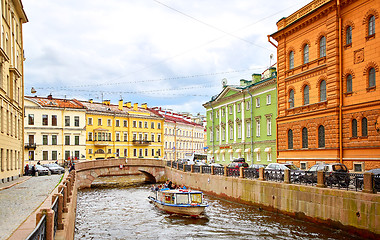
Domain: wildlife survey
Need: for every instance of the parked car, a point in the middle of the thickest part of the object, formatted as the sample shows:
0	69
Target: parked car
336	174
216	165
54	168
41	170
376	180
275	171
281	166
257	166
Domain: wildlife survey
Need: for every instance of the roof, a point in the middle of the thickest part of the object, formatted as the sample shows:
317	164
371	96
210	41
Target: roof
56	102
174	117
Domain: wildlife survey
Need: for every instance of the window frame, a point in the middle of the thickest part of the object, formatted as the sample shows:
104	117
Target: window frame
305	52
371	77
305	138
291	60
322	47
371	25
306	96
348	35
321	137
322	91
290	139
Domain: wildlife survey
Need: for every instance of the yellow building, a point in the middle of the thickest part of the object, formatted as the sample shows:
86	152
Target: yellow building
122	130
11	90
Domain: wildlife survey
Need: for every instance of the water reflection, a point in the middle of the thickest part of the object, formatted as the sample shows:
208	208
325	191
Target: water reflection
125	213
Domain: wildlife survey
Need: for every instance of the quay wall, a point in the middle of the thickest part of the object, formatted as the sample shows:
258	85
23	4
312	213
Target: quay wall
355	212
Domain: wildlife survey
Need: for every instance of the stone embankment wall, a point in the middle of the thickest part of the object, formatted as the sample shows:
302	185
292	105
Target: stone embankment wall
356	212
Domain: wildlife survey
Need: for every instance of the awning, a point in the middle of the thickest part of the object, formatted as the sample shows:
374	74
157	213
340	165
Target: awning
238	150
230	150
247	150
222	151
268	149
256	150
216	151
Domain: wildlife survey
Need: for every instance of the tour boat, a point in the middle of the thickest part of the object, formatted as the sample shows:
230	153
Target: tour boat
179	201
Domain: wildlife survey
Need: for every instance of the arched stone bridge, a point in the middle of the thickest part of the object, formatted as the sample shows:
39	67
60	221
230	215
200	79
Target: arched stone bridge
88	171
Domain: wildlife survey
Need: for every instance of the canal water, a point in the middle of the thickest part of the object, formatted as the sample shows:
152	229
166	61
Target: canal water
125	213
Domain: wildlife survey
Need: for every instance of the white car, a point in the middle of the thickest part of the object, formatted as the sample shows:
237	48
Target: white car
281	166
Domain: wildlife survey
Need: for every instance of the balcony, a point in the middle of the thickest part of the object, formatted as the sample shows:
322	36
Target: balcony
141	142
30	145
101	143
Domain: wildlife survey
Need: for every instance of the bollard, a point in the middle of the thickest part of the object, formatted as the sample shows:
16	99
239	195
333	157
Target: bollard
49	173
36	174
261	174
184	167
212	170
321	179
201	169
241	169
171	164
368	182
49	228
287	176
192	168
225	171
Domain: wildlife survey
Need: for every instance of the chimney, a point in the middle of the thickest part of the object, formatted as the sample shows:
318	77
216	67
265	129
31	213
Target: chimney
144	105
50	97
121	104
135	106
256	77
107	102
90	100
128	104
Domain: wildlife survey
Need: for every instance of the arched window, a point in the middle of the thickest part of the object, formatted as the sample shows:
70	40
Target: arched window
348	35
291	98
371	25
306	95
349	83
321	136
322	47
290	139
306	54
354	126
364	127
322	91
291	60
304	138
372	78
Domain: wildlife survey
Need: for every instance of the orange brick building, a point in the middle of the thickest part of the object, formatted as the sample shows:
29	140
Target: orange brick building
328	57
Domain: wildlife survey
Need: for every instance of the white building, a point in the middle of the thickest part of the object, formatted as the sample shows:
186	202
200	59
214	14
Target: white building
55	130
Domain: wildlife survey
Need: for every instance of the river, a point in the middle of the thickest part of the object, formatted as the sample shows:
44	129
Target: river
125	213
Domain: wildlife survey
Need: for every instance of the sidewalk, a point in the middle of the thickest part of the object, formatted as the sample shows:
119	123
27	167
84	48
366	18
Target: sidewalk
20	198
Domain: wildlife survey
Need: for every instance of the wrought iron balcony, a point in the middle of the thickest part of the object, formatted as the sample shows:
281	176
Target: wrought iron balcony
141	142
30	145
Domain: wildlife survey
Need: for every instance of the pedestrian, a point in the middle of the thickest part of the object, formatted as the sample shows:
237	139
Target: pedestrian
72	167
56	162
33	172
26	170
39	163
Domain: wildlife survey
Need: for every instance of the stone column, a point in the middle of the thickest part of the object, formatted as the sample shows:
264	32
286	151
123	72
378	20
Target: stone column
241	169
225	171
368	182
200	169
49	222
261	174
192	168
321	179
184	167
212	170
287	176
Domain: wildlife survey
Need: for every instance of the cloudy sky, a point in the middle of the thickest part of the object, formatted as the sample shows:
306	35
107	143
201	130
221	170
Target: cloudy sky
169	53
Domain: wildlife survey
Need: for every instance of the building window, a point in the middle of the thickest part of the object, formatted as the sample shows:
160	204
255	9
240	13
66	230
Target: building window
125	137
303	165
230	109
109	122
258	128
257	102
45	155
90	121
290	139
158	125
305	54
67	140
291	60
152	152
44	139
348	35
152	139
45	120
372	78
231	133
54	120
90	136
364	127
67	121
31	119
99	122
321	136
269	156
371	25
134	124
140	124
322	91
358	167
135	152
53	139
322	47
239	130
248	130
54	155
238	107
269	99
152	125
304	138
90	151
306	95
217	135
117	123
349	83
269	126
159	138
291	98
354	127
258	157
248	105
76	121
125	123
125	152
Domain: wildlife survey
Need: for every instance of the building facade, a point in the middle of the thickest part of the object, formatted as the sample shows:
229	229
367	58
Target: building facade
328	99
241	121
122	130
182	136
11	89
55	130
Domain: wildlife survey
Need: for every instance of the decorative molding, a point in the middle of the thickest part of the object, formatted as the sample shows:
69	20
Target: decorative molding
359	56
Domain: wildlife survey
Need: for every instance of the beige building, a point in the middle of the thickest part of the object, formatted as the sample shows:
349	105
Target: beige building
11	90
182	136
55	130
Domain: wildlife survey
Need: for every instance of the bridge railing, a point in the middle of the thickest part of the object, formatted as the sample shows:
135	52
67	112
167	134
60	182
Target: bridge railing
367	182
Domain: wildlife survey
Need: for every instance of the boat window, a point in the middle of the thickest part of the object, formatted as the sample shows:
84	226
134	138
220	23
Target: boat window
168	199
182	199
196	198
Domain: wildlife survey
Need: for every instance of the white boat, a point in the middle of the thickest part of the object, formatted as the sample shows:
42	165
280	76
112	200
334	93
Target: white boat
179	201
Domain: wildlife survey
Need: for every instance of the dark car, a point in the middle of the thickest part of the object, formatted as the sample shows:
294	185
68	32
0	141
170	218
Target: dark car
376	179
234	167
41	170
335	174
54	168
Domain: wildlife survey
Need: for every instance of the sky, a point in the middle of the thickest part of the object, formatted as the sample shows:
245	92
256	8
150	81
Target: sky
166	53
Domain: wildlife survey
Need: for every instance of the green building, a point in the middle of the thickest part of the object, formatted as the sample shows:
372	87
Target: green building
241	121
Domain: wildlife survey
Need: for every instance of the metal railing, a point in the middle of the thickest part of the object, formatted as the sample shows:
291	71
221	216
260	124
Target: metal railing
233	172
187	168
251	173
196	168
168	163
180	166
55	209
303	177
274	175
206	169
174	165
39	233
376	183
219	170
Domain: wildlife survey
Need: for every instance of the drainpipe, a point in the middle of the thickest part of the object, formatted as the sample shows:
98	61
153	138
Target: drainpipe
251	125
340	83
213	140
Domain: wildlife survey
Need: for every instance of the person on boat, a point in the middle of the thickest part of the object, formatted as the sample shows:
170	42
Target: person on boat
183	187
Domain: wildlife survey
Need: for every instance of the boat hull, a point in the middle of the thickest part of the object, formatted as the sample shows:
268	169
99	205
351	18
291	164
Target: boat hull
189	210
